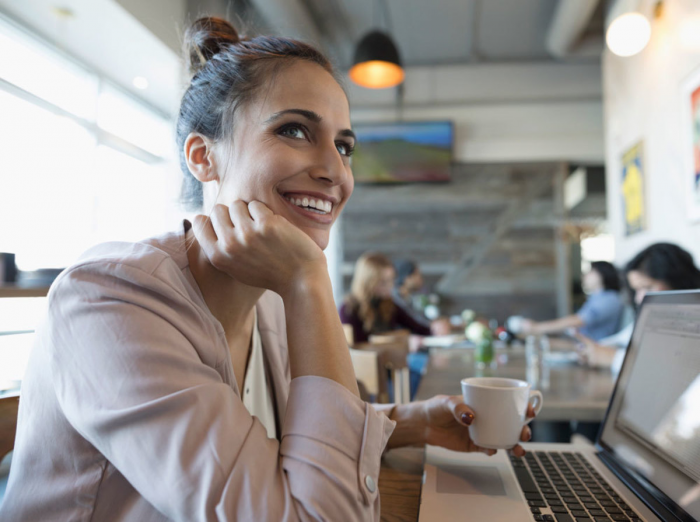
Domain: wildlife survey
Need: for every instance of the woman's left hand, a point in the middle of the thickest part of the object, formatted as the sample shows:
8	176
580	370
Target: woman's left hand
447	425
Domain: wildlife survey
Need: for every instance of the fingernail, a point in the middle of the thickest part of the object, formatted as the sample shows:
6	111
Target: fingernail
467	418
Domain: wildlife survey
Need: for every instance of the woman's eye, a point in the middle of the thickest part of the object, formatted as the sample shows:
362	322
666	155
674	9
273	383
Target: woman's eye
293	132
344	148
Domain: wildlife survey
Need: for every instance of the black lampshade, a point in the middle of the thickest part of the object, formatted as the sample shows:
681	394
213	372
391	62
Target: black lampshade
377	64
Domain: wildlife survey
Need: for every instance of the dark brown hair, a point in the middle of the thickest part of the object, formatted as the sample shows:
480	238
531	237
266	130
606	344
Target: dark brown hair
227	71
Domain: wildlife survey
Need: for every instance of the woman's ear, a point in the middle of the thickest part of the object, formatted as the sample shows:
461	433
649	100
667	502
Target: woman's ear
199	155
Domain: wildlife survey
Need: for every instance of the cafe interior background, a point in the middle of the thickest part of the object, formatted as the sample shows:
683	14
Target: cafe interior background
562	148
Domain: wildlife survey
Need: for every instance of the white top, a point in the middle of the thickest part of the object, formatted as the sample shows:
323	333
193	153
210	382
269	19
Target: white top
256	391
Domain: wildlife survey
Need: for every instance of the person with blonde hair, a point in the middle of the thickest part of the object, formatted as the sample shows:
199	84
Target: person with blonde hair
203	374
369	307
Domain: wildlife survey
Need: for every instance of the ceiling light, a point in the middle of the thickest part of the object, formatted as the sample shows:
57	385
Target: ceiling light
140	82
377	64
628	34
629	25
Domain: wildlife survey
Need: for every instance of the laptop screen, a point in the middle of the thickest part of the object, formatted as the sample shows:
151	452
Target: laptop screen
653	424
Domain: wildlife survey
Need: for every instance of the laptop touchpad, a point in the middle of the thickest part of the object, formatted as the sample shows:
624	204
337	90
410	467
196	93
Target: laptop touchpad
470	480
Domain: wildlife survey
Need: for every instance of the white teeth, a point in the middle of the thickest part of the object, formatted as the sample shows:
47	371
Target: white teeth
315	205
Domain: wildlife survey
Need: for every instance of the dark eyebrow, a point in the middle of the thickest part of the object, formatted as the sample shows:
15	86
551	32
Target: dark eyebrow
309	115
348	134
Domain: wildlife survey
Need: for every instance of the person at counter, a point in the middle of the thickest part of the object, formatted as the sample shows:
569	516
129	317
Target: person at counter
659	267
204	374
601	314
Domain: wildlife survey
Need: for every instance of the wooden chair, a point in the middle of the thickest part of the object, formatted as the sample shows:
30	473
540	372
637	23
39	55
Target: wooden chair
394	350
8	424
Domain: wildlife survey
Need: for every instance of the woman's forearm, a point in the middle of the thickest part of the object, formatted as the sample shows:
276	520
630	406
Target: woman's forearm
558	325
317	344
410	427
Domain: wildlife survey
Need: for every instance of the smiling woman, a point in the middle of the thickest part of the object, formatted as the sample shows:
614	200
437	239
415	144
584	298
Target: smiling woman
204	374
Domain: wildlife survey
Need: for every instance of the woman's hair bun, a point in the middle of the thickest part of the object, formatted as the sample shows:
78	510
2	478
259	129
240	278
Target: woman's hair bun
205	38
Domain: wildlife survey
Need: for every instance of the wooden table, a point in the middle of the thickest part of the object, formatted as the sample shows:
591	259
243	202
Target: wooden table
570	393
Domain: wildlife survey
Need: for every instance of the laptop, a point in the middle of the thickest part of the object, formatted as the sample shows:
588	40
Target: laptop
645	465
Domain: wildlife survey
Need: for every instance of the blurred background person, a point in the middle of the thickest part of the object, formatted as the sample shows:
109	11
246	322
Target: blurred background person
408	283
659	267
369	307
601	314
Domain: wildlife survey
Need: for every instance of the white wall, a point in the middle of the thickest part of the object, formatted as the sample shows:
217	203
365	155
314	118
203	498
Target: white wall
642	96
502	112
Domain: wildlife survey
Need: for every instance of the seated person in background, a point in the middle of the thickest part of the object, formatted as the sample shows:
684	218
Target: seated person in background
409	280
657	268
600	315
369	307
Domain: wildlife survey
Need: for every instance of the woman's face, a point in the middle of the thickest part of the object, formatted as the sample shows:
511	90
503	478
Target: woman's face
592	282
642	283
385	284
291	150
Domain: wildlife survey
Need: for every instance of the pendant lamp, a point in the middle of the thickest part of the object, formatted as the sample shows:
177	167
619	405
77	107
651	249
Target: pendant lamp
377	64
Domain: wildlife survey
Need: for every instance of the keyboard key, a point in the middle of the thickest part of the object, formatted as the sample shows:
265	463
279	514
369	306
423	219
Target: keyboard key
597	512
526	483
613	510
538	517
602	519
548	518
533	496
579	513
559	509
619	517
564	517
535	511
536	503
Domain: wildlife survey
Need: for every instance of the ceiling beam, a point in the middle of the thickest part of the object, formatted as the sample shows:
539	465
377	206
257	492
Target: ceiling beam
568	25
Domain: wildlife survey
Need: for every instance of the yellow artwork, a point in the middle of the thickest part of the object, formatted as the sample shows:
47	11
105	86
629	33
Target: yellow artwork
633	190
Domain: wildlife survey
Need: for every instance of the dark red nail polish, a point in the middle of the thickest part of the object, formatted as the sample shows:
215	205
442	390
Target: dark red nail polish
467	418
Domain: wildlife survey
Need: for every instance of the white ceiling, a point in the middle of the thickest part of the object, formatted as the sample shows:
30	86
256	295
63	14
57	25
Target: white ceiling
438	31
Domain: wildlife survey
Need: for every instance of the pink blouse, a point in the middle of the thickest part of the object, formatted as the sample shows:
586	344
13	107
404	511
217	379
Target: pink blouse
130	409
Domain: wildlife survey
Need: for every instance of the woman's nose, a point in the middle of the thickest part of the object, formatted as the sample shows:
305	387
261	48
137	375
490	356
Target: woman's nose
329	166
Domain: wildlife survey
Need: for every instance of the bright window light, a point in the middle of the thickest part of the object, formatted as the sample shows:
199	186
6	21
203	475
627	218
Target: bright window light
123	116
46	74
46	182
597	248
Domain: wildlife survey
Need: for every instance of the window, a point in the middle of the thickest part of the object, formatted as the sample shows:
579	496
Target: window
82	161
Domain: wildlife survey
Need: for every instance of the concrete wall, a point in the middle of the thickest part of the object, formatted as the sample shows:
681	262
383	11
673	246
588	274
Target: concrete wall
643	101
502	112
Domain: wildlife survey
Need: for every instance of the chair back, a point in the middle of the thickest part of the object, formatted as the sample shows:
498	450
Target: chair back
9	406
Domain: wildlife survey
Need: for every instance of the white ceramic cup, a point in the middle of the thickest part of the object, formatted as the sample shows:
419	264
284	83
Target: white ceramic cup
500	408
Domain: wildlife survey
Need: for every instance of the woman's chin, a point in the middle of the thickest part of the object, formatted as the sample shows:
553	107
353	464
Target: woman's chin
320	237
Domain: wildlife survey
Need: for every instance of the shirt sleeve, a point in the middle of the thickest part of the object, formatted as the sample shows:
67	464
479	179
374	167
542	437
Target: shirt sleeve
130	380
599	308
406	320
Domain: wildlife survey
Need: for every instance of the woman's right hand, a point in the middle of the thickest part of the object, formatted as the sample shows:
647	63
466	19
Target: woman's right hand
257	247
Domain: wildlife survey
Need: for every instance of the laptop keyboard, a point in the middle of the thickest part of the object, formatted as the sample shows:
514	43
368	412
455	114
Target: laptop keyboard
564	487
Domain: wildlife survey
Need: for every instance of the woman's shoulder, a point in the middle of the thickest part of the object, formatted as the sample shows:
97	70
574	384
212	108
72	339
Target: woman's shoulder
155	262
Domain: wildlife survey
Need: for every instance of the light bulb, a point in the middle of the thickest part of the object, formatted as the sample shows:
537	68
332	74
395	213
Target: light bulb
628	34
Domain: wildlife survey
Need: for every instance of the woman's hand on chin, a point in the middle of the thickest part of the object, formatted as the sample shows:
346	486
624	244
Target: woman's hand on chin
257	247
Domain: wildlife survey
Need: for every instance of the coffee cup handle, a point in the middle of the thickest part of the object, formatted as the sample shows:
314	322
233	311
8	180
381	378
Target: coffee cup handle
537	406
